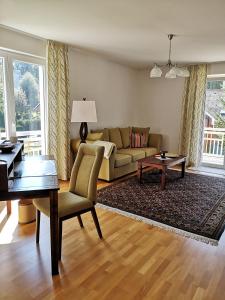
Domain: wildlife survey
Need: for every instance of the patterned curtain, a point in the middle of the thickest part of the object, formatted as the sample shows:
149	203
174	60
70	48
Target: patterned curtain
59	106
193	115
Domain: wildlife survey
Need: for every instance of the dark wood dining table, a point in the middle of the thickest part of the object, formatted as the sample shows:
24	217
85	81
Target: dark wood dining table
36	177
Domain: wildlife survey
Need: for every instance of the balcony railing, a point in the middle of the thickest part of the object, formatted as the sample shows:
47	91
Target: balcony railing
32	141
213	146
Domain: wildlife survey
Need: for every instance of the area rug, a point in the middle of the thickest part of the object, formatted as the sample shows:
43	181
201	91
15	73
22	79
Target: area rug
193	206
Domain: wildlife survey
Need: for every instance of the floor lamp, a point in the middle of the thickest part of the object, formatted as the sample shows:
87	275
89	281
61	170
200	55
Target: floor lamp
83	111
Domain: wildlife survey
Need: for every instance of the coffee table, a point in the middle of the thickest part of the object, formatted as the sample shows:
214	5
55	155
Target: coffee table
161	164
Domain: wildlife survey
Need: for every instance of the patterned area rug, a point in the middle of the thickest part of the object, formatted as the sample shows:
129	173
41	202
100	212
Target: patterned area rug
193	206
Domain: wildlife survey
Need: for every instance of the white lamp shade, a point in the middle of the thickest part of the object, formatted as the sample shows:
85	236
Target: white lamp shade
171	73
155	72
182	72
83	111
186	73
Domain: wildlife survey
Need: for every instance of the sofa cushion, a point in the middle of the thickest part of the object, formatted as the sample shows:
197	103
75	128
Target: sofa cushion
125	135
115	137
134	153
105	133
122	160
95	136
149	151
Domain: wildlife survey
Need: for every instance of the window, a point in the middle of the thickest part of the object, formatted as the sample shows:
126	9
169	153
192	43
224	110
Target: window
22	105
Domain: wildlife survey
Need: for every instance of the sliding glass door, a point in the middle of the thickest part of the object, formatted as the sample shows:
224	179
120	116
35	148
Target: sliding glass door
2	100
214	127
22	105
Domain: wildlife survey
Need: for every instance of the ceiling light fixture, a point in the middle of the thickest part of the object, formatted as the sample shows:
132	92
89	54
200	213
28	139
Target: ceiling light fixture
173	71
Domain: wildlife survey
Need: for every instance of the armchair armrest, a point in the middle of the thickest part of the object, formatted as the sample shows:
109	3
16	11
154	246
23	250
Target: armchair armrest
155	140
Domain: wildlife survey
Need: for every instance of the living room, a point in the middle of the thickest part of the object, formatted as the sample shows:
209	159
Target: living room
112	48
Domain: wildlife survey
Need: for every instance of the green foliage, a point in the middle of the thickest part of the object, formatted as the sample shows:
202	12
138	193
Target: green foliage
29	86
26	97
220	119
21	68
21	100
214	84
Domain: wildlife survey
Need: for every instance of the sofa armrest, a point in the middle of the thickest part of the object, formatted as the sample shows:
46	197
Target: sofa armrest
107	168
155	140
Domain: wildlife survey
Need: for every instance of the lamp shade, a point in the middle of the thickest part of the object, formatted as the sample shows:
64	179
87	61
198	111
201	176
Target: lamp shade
171	73
182	72
155	72
83	111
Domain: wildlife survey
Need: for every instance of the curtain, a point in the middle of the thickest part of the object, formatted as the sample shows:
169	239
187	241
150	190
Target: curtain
192	129
59	107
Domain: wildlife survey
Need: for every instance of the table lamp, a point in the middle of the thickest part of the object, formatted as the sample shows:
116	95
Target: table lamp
83	111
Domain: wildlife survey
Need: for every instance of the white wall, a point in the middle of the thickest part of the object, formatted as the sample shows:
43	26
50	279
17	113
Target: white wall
216	68
160	107
112	86
18	41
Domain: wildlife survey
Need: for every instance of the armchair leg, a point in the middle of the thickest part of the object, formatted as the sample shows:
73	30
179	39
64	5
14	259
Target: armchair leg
38	218
60	238
95	218
80	221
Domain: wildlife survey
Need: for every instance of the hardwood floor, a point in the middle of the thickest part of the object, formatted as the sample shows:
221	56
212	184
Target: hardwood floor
133	261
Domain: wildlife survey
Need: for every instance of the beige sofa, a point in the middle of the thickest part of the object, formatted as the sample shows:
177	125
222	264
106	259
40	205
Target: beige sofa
123	159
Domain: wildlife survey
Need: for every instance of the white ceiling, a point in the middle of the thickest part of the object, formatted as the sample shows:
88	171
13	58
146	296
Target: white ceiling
130	31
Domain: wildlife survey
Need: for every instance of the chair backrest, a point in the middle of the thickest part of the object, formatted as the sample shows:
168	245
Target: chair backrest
85	171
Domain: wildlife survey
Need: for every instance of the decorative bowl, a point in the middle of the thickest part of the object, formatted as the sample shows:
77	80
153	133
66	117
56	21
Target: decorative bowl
7	147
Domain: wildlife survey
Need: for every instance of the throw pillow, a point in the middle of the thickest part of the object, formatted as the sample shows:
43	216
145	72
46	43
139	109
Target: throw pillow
115	137
95	136
125	135
138	140
144	133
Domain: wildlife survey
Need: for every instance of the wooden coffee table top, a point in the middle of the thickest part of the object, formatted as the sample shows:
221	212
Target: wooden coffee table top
153	160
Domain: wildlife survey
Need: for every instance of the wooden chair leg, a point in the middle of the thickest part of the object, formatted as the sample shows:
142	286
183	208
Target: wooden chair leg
38	218
60	238
80	221
95	218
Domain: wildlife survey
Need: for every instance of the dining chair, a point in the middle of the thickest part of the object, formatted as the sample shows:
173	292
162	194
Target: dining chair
82	193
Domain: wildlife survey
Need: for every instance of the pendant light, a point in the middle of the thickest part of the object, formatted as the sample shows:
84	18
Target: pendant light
173	71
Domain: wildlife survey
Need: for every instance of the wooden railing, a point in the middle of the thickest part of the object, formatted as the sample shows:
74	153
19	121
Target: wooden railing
32	141
214	141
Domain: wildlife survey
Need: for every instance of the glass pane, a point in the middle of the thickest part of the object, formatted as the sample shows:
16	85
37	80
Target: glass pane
2	97
27	105
214	127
